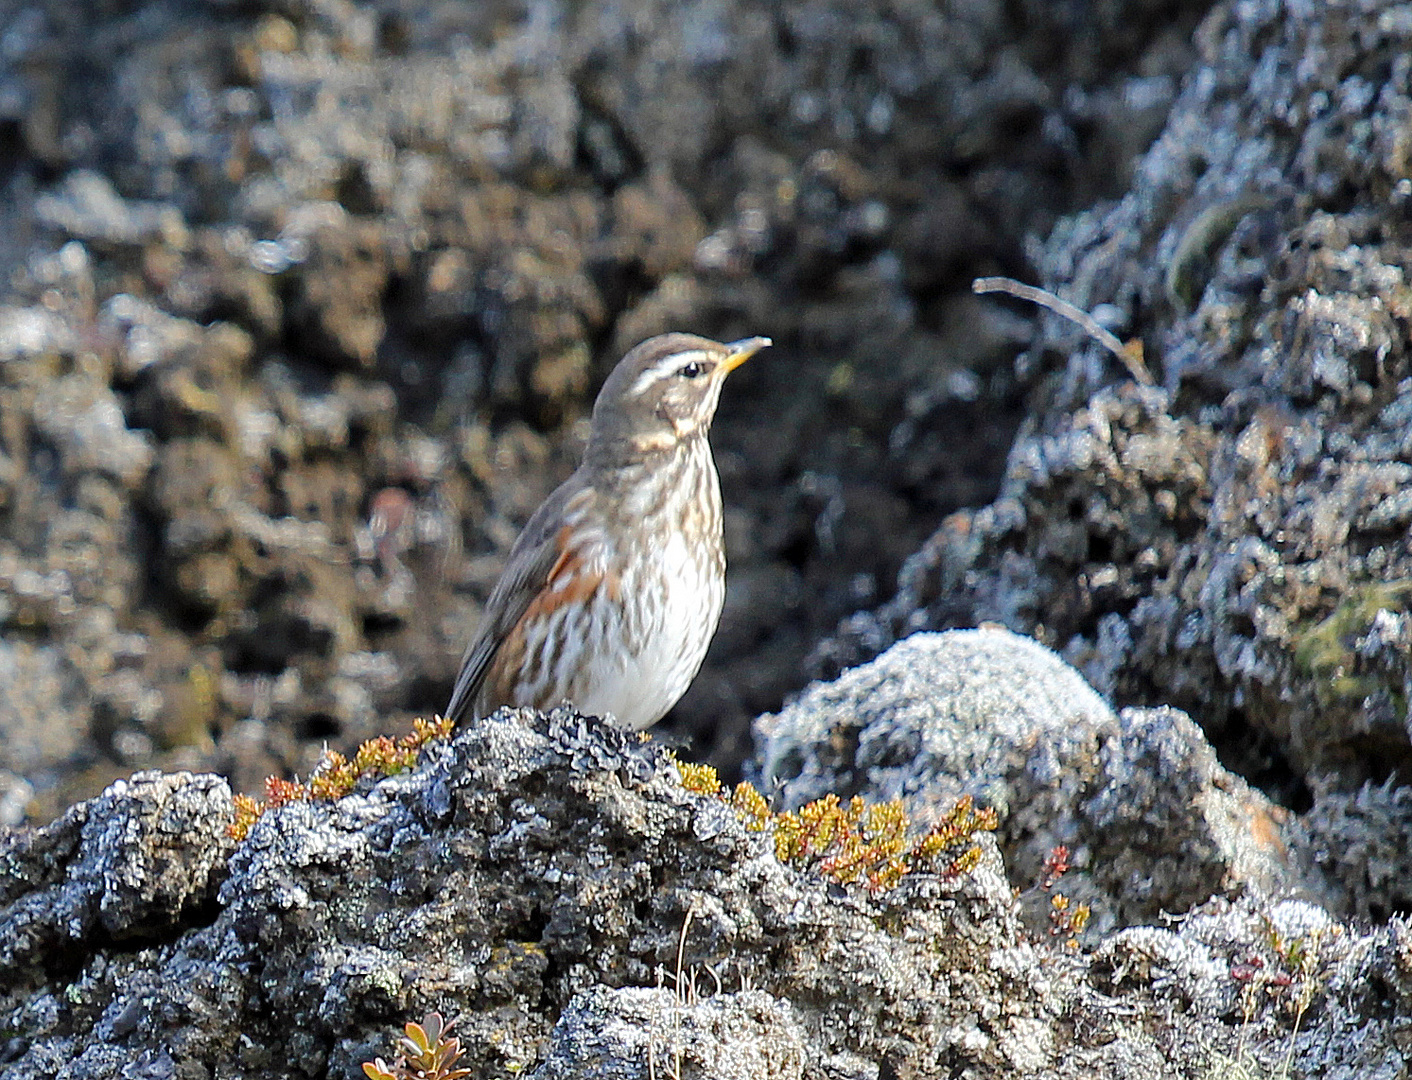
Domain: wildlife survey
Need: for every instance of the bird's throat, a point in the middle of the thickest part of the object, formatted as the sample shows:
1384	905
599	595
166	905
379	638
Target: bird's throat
659	485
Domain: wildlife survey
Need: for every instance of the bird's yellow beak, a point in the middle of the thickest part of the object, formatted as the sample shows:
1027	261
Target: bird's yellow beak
737	352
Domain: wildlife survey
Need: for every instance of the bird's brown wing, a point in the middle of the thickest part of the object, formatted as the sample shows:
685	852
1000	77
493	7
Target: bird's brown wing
527	571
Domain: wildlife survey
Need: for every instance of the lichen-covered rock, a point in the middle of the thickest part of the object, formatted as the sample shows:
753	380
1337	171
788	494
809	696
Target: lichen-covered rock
639	1034
549	883
1152	822
130	866
1360	840
1235	540
1303	991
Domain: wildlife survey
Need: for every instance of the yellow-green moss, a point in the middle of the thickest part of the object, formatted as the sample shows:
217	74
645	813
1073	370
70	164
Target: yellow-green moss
1326	651
853	841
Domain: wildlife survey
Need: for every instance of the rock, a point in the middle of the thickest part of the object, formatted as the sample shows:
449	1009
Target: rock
548	882
457	883
86	425
1360	841
1168	827
86	207
1151	821
36	680
129	866
1287	973
15	795
338	309
721	1037
1233	541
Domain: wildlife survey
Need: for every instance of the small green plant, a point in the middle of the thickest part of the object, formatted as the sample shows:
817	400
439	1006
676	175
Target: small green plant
1289	973
1298	955
336	776
424	1053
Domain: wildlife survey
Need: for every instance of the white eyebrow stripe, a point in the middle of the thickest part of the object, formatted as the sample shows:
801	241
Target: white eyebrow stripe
668	365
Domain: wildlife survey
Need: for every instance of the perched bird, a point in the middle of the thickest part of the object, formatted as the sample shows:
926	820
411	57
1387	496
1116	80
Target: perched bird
614	589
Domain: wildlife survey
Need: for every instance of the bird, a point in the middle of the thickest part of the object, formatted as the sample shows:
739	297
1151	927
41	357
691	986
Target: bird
613	590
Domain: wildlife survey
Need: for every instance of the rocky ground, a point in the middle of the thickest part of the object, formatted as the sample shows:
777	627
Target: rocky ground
553	885
306	305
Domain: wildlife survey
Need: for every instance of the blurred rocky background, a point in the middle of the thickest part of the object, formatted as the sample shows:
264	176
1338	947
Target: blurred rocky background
1237	540
305	304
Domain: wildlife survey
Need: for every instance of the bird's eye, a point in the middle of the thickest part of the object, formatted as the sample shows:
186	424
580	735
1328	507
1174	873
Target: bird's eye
692	370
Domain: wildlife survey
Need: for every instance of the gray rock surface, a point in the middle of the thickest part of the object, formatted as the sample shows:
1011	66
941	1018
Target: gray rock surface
638	1034
524	865
133	864
1262	967
1152	822
548	882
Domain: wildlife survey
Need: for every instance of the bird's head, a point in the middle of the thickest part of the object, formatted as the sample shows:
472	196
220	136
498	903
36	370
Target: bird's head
664	392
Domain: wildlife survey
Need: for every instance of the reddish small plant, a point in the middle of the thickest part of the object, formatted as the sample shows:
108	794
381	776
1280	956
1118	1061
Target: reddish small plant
424	1053
336	776
1056	865
1066	918
1246	970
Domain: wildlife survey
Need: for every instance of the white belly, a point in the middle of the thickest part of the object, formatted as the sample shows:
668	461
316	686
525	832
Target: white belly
641	685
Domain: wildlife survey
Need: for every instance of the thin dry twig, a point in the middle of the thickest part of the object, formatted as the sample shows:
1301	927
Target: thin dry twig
1129	357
